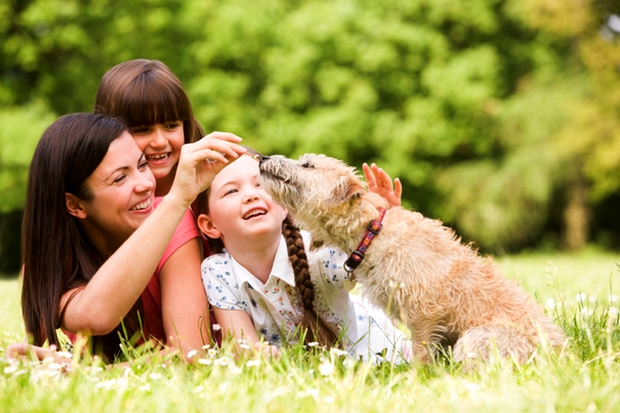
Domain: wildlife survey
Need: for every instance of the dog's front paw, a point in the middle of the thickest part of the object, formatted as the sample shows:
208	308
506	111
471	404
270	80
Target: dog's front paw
422	351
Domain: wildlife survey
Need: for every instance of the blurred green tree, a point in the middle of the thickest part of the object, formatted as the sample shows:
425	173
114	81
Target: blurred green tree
418	87
20	128
57	50
500	116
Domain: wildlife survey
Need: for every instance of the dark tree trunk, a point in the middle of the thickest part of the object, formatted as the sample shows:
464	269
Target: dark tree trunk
576	216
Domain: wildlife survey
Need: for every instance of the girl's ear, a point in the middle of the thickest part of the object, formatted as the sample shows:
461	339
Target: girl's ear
74	206
206	226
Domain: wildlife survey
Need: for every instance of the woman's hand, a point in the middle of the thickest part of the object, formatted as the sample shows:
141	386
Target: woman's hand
201	161
380	183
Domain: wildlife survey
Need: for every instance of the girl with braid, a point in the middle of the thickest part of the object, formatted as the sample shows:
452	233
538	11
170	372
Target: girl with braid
266	288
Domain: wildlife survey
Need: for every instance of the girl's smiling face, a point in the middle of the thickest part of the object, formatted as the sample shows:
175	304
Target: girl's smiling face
240	210
161	144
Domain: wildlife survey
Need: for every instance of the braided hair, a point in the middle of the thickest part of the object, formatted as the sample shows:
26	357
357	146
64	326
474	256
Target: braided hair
317	330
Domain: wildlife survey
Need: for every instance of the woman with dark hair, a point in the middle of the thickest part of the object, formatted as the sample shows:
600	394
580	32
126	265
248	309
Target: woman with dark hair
94	241
152	102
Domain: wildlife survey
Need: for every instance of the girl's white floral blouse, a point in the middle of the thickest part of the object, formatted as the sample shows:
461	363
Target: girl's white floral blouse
275	307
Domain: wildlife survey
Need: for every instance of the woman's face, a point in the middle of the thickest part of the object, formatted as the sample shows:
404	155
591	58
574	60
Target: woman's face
123	189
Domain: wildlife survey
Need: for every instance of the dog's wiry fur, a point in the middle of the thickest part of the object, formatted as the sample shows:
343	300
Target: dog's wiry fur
416	269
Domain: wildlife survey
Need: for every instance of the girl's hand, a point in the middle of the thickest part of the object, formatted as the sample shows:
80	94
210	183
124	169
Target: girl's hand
201	161
380	183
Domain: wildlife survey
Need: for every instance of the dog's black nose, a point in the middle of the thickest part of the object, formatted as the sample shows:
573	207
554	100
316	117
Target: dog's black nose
264	159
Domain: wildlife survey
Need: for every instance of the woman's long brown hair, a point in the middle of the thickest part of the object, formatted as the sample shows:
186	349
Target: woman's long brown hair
57	257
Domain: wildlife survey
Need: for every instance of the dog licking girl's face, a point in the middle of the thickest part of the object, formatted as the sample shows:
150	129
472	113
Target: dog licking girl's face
313	181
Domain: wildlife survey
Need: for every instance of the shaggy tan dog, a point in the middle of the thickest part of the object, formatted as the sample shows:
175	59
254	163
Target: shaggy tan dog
416	269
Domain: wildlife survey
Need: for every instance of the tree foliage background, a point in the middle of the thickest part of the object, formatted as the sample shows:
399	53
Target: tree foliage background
501	117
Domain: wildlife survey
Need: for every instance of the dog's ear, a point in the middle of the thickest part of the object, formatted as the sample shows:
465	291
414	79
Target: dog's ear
346	190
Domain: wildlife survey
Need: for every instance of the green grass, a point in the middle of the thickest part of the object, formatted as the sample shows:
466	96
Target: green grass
590	272
585	378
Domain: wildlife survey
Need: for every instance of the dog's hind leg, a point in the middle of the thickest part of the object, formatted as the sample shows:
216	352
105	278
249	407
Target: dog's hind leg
427	343
487	342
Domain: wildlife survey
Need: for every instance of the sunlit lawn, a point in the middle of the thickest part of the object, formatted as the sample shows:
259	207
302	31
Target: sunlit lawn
591	272
585	378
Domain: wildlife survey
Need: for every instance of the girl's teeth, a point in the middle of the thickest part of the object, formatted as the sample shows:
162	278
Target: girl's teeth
253	214
157	157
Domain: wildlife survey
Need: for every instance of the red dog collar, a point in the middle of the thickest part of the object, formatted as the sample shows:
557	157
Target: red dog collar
356	257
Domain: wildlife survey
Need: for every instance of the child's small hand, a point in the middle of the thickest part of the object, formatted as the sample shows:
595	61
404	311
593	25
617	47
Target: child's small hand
380	183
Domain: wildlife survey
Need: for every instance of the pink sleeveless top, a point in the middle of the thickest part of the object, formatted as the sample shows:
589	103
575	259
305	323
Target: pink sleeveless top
152	319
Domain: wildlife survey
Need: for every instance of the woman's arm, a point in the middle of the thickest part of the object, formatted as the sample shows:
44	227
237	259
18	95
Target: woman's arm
110	294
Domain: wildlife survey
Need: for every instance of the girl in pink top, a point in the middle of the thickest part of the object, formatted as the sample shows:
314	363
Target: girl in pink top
152	102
